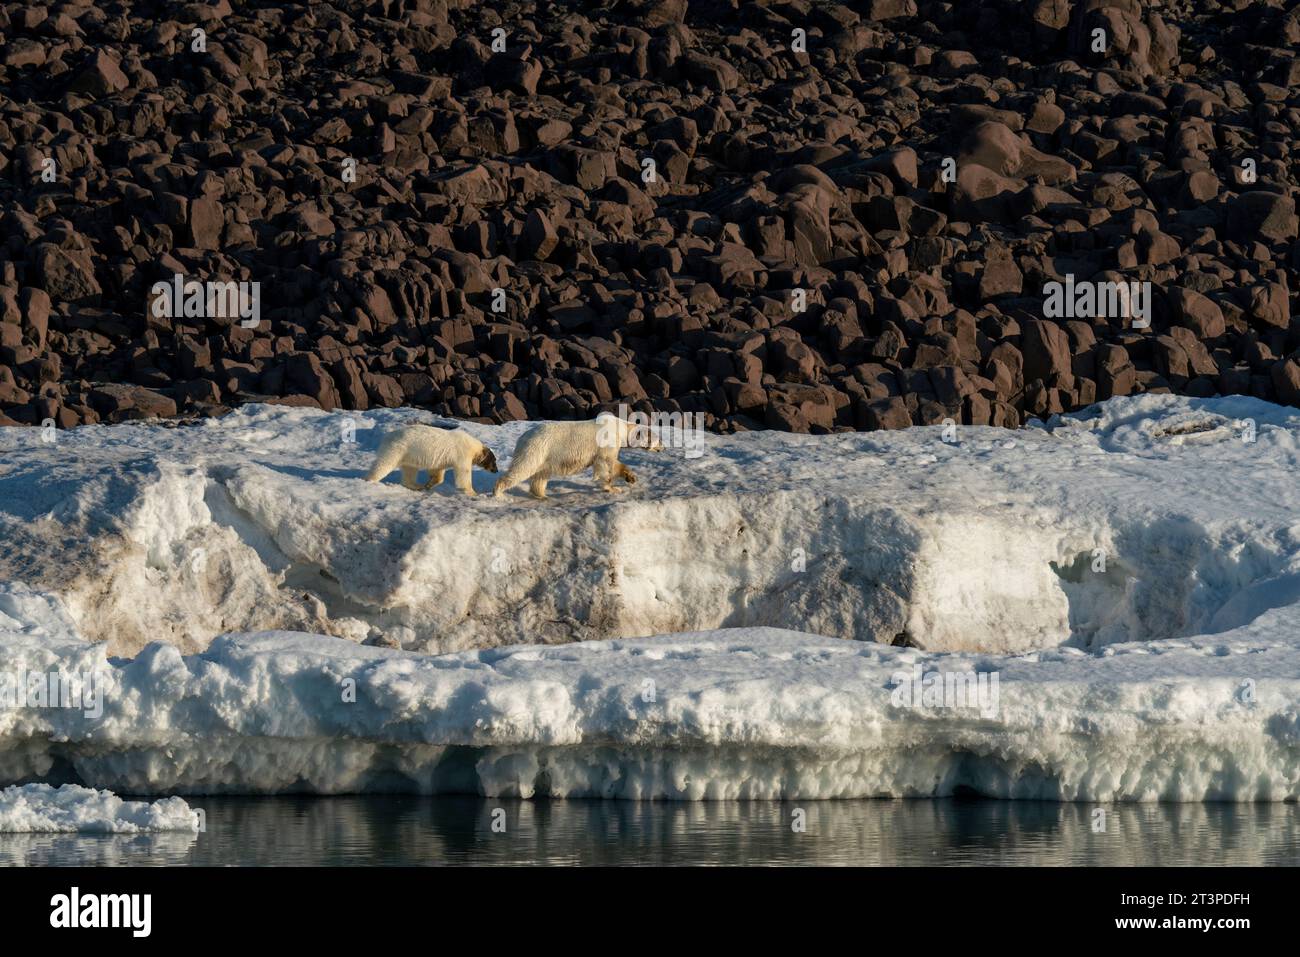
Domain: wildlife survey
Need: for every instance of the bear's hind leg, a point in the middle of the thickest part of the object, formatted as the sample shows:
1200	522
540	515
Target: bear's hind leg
504	484
410	476
388	458
435	479
515	475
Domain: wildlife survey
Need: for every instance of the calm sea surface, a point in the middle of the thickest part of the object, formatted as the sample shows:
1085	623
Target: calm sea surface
378	830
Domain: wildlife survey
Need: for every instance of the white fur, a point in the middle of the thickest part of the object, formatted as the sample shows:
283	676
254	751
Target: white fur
566	448
415	447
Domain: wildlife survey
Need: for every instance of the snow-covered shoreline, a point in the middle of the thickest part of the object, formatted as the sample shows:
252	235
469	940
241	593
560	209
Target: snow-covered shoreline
1130	575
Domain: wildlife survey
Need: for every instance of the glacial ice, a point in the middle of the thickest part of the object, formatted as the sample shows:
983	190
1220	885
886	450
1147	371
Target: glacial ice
1131	575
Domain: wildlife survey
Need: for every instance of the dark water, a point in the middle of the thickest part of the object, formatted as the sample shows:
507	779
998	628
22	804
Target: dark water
459	830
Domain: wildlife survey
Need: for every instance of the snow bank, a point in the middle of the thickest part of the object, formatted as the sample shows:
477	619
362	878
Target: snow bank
39	808
741	713
260	520
1129	577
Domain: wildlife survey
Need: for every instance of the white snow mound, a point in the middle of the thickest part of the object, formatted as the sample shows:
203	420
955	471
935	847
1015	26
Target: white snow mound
41	809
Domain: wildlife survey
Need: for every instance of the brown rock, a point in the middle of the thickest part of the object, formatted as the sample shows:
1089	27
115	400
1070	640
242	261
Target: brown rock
888	413
1000	277
994	146
1262	216
539	238
712	72
67	274
304	374
206	221
1270	305
101	76
1046	349
1286	380
1198	313
384	390
118	399
34	304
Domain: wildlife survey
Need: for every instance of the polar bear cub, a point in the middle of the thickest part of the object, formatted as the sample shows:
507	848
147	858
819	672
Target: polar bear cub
566	448
415	447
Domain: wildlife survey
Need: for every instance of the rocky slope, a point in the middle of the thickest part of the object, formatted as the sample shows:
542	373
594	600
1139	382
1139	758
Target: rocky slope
910	174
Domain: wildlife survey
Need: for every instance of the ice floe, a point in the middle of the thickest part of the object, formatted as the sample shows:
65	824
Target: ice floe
42	809
1129	576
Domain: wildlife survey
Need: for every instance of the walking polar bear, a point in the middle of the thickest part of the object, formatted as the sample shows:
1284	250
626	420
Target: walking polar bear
415	447
566	448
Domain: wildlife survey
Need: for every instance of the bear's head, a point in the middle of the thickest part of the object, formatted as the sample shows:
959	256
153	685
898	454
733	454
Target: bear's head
486	460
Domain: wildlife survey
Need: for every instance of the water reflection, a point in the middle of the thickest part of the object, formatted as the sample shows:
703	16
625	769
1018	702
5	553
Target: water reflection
459	830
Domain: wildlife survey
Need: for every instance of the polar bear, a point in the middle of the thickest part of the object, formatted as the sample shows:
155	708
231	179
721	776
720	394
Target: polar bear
566	448
415	447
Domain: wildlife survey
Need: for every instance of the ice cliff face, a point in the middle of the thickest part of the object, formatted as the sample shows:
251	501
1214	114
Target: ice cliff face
735	714
1153	520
